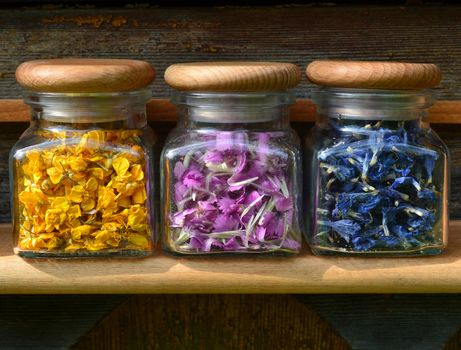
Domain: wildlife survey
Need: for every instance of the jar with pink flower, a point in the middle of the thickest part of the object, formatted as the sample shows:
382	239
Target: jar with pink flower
231	179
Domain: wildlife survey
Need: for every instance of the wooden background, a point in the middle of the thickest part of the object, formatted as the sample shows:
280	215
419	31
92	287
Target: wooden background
290	33
283	32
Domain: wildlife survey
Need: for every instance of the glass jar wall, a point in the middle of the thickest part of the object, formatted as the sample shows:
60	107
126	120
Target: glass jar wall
81	174
231	175
377	174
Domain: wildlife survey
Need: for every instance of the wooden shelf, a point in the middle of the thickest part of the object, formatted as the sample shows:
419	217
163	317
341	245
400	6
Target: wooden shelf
163	274
161	110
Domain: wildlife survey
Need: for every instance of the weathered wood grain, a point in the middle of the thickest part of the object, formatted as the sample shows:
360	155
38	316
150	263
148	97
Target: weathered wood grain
9	135
297	34
373	75
378	322
451	134
208	322
85	75
454	342
50	322
389	322
164	274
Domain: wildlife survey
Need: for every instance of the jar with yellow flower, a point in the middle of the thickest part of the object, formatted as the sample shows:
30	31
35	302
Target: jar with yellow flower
81	174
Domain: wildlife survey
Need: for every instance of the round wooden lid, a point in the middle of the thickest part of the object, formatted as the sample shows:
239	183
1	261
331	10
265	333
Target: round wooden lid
84	75
374	75
232	76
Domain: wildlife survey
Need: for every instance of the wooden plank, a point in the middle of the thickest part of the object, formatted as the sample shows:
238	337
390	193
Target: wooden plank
378	322
9	134
451	134
50	322
298	34
161	110
389	322
163	274
243	322
454	342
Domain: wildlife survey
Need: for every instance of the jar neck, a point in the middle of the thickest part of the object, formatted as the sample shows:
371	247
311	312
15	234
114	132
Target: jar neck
84	110
105	125
365	106
233	111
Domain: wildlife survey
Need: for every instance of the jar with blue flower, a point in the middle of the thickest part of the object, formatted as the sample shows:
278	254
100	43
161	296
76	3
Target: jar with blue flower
231	168
377	174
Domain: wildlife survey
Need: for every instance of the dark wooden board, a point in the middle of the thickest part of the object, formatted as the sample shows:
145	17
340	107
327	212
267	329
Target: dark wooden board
110	3
297	34
209	322
378	322
50	322
454	343
389	322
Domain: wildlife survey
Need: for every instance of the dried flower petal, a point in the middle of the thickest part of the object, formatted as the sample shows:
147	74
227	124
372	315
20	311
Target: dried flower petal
121	165
235	196
78	194
376	191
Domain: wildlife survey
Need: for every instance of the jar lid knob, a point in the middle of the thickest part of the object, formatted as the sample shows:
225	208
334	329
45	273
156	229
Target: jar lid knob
233	76
374	74
84	75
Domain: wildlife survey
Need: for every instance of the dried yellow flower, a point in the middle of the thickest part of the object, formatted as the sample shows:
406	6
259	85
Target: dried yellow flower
91	185
139	196
55	174
137	218
77	164
121	166
76	194
53	219
98	173
85	195
138	240
78	232
88	204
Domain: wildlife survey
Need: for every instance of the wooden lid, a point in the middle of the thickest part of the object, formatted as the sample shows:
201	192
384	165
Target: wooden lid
232	76
84	75
374	75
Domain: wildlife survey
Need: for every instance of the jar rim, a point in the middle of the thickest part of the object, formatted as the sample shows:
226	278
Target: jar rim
372	104
87	107
134	93
215	99
335	89
233	107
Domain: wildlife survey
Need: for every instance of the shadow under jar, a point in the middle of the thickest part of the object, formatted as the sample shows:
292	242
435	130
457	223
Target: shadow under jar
231	168
377	174
81	174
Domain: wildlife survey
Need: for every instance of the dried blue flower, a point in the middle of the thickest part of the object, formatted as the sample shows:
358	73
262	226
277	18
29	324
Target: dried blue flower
376	190
344	228
357	202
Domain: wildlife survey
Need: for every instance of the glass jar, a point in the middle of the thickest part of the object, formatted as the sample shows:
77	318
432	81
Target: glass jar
231	175
377	174
81	175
